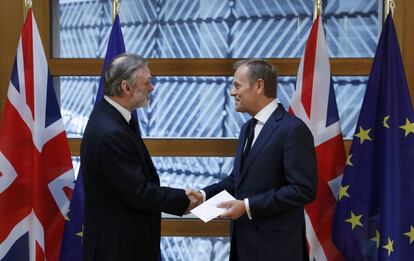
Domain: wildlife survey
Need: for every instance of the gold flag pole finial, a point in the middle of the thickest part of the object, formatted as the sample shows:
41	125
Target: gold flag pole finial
389	6
27	4
317	8
116	4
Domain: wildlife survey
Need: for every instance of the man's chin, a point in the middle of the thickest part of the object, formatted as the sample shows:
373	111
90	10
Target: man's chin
143	104
239	109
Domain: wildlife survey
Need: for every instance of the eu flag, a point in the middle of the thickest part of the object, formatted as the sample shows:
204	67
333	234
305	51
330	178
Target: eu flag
374	218
72	239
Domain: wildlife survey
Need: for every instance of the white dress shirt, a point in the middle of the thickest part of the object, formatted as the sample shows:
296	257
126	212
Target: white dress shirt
125	113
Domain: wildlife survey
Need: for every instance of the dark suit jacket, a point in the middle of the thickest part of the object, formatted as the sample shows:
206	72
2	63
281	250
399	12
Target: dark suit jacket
279	177
123	199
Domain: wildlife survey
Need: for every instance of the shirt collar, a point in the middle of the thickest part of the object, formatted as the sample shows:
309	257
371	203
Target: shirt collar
124	112
264	114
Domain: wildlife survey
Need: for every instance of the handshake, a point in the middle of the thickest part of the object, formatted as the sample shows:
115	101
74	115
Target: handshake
195	197
233	208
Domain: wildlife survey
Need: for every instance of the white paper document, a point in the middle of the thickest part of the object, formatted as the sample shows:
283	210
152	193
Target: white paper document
209	210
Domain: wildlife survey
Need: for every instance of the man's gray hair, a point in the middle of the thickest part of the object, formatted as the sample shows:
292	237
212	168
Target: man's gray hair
123	67
261	69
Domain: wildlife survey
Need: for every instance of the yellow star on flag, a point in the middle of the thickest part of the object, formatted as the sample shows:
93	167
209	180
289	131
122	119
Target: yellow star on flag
376	238
343	192
385	122
80	234
348	160
410	234
408	127
389	246
354	220
363	135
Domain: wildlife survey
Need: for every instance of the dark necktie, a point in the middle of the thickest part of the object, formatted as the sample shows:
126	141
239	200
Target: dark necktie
250	137
133	123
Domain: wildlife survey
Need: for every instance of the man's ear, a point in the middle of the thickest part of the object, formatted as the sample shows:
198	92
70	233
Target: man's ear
260	86
124	87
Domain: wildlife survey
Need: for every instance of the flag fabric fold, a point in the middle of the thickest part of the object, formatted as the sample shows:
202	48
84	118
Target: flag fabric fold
313	101
36	173
72	242
374	217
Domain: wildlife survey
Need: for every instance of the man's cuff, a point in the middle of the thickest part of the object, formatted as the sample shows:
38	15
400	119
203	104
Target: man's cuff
204	194
246	204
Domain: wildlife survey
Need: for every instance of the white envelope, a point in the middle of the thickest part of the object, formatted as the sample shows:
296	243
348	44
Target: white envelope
209	210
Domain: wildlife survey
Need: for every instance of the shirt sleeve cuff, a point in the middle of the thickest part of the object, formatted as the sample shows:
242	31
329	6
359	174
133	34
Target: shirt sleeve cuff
246	203
204	194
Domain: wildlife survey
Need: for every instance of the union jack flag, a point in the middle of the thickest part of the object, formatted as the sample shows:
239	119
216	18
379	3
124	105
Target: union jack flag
314	102
36	174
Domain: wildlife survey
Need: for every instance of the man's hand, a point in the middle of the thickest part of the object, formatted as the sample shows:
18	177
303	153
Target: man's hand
235	209
195	198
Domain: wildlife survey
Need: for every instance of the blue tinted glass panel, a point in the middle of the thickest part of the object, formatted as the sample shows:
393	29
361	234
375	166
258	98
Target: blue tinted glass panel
195	248
349	92
193	39
84	28
188	107
352	27
77	101
215	28
194	172
185	172
197	106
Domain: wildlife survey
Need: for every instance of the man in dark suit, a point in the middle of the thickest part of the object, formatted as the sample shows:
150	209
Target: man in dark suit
123	197
274	173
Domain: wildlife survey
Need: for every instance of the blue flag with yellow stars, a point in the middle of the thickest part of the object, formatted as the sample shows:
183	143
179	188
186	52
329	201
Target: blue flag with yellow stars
374	217
72	238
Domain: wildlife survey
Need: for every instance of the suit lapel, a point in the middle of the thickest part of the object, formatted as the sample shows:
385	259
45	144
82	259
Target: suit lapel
268	129
143	150
137	140
148	159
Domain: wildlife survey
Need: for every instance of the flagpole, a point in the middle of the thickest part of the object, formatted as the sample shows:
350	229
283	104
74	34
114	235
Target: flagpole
27	4
389	5
317	8
115	8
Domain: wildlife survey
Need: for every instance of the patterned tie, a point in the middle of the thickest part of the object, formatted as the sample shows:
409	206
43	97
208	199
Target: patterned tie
250	137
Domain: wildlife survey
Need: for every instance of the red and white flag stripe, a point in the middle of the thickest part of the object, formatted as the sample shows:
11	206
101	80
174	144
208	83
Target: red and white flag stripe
313	102
36	174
